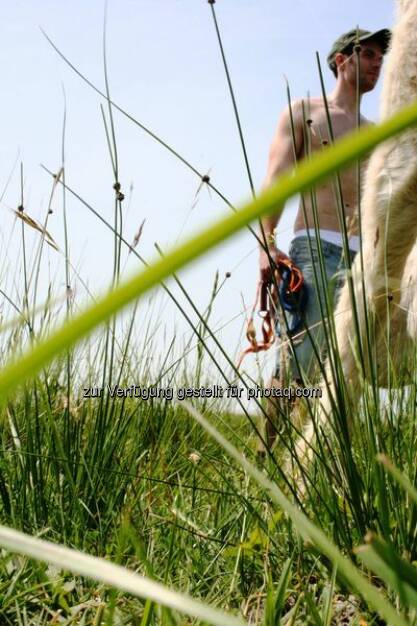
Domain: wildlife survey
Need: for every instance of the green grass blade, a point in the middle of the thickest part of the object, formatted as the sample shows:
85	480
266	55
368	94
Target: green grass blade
111	574
147	614
398	476
308	530
308	174
385	551
327	609
275	602
314	614
392	575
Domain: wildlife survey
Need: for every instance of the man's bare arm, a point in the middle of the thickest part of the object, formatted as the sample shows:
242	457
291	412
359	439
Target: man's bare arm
281	158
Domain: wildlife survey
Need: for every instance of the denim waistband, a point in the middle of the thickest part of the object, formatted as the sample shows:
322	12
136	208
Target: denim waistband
327	246
331	236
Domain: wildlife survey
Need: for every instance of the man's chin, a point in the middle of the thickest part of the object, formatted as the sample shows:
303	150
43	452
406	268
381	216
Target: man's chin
368	85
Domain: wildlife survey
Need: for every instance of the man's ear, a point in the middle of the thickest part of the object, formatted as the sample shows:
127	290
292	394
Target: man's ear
340	60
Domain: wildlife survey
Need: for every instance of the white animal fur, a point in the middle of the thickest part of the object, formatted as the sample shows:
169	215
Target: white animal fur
389	230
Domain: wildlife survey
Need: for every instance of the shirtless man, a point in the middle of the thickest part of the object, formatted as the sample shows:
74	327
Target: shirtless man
342	103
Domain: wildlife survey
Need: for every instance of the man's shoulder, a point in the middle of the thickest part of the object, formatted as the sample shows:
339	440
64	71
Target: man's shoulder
302	107
306	103
295	109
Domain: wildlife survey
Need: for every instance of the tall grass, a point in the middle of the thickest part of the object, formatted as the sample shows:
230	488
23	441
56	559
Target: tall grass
138	482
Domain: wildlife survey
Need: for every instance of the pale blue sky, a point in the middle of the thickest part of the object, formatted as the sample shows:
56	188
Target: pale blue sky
165	69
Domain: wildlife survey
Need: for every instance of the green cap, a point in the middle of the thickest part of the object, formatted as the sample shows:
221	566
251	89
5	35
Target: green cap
383	37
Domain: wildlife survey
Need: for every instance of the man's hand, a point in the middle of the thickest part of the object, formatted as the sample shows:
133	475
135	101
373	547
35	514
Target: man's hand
264	262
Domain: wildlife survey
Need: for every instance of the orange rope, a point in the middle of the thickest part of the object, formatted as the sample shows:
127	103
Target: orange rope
267	297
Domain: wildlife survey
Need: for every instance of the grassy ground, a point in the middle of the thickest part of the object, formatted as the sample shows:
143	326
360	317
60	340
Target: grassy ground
140	483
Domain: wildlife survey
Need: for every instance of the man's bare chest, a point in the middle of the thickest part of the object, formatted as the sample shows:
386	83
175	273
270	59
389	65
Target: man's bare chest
319	128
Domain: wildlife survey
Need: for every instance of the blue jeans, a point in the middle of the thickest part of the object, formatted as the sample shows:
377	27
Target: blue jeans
304	366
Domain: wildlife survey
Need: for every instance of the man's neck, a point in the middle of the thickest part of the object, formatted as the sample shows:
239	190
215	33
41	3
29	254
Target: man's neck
344	96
